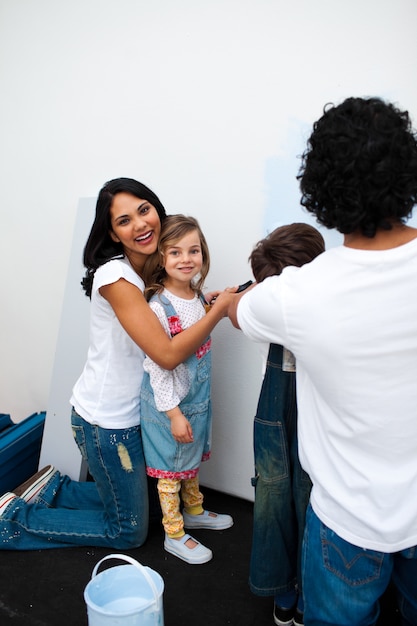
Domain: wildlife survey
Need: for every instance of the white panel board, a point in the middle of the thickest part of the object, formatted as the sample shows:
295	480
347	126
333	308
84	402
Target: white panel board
58	446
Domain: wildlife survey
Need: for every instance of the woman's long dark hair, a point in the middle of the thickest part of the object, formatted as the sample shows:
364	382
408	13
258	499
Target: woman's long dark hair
100	247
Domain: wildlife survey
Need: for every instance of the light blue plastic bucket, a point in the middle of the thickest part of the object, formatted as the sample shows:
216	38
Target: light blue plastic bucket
125	595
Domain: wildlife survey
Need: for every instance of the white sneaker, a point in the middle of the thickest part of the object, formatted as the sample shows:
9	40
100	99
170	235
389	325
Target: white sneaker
33	485
197	555
208	520
5	500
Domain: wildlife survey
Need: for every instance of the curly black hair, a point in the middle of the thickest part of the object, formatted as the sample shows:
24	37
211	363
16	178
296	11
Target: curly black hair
359	171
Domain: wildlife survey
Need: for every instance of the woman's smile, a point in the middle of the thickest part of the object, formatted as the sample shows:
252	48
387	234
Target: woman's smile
146	238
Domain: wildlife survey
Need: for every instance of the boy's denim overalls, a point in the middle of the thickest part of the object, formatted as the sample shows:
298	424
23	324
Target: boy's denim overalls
165	458
282	488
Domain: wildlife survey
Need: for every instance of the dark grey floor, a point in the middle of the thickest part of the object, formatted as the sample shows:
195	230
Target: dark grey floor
45	588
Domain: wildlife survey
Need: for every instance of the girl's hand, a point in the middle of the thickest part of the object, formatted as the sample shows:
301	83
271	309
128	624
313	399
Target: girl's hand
181	428
211	296
224	299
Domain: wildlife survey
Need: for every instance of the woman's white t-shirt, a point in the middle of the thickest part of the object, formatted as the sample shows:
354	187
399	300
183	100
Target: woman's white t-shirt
107	392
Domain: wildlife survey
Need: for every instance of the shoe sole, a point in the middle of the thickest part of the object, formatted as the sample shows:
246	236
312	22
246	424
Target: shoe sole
279	622
205	526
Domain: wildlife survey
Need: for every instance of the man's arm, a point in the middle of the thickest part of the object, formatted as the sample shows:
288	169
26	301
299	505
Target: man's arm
232	310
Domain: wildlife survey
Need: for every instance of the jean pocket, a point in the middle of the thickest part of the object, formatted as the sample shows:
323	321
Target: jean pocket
79	436
354	565
203	370
271	451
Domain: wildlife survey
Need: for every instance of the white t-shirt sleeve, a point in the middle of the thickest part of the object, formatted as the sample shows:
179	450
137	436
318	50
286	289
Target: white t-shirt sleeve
114	270
260	313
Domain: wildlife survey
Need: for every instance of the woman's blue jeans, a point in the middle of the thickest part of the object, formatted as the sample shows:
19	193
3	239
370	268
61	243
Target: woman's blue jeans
111	512
282	488
343	583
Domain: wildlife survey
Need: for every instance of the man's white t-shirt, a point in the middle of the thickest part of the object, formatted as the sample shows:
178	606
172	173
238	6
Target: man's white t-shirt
350	318
107	392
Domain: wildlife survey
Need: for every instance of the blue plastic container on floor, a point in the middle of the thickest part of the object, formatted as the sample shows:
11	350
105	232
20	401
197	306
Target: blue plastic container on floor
20	447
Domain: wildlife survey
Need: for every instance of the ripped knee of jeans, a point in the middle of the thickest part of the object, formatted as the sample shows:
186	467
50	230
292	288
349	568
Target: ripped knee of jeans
124	457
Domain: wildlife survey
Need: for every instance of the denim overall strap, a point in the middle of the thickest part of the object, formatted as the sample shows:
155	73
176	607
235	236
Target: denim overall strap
281	487
169	311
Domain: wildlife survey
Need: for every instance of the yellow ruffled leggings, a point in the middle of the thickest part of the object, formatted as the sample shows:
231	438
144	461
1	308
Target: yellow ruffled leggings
169	497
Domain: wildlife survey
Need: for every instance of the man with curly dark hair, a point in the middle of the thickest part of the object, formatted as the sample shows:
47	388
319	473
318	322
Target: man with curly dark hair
350	318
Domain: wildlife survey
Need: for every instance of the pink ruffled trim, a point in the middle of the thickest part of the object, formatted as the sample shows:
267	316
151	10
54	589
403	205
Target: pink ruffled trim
185	475
155	473
174	325
175	328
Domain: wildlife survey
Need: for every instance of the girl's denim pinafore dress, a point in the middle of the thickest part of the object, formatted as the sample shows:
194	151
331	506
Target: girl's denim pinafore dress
165	457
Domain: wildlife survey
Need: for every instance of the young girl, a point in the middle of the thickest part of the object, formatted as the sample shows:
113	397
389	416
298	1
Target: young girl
175	405
50	510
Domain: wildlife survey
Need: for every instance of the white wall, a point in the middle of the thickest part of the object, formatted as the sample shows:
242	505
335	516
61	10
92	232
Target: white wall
209	103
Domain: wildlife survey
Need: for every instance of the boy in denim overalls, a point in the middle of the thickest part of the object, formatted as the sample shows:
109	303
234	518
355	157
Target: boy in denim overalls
282	488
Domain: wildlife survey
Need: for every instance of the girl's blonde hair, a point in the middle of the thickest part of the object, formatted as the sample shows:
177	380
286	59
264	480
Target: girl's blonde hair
174	228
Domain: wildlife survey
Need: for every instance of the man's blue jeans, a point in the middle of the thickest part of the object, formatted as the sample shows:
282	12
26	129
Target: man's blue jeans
112	511
343	583
282	488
